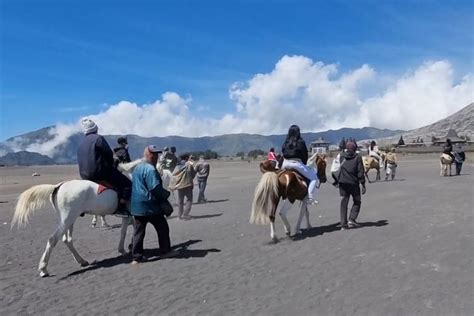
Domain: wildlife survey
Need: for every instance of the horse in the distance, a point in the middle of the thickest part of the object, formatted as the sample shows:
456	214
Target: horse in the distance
445	162
288	185
372	163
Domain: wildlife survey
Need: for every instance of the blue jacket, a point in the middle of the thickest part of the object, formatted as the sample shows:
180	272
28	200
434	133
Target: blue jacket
95	158
147	190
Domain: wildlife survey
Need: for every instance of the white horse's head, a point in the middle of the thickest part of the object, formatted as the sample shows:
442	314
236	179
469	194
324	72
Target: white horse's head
127	168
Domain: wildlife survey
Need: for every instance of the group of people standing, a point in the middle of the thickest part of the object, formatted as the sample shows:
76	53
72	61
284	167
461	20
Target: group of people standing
145	192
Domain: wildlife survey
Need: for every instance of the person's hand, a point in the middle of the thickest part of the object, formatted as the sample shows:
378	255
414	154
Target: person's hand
363	189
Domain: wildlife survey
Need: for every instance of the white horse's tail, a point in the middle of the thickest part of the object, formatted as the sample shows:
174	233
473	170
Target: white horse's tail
32	199
266	193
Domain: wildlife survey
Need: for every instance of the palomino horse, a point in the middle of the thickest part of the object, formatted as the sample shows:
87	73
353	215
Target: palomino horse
288	185
445	161
372	163
70	199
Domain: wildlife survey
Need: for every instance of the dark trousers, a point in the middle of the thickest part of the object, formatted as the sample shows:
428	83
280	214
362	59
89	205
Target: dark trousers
185	208
458	167
121	183
139	229
202	183
346	191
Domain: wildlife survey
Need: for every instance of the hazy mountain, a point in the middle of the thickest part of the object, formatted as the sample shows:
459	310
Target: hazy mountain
462	122
25	158
224	144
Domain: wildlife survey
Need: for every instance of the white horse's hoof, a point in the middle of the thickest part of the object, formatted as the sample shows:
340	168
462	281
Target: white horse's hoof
288	234
298	232
274	239
44	273
92	225
122	252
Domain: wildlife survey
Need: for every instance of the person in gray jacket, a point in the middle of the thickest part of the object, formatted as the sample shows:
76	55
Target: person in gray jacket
349	178
203	169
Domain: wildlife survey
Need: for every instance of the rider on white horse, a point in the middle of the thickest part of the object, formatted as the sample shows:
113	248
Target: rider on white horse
96	163
448	149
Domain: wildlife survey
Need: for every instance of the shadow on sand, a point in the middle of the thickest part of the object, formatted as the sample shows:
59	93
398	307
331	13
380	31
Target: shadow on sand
318	231
211	201
153	254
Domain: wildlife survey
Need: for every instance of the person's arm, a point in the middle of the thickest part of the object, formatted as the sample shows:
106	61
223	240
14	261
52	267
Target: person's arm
360	171
155	186
105	151
305	153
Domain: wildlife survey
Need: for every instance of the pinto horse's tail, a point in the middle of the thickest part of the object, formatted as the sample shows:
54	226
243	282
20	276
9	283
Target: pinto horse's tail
32	199
265	197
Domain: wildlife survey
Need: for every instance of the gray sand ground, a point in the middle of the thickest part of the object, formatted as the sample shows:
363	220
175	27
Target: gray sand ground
414	255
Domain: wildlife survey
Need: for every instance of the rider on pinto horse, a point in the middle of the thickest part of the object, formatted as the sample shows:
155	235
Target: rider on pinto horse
295	154
96	163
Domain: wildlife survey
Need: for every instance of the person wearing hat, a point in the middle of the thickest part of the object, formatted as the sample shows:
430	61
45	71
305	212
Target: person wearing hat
350	176
147	192
96	163
121	152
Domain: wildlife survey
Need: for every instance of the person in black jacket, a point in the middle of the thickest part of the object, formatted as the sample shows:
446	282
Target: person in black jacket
96	163
448	149
295	154
349	176
121	152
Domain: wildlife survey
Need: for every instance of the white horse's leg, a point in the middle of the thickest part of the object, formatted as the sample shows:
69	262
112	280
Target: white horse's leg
306	212
67	239
283	211
272	231
303	210
104	222
94	221
52	241
123	233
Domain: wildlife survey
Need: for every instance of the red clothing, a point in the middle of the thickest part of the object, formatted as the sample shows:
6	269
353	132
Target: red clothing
271	156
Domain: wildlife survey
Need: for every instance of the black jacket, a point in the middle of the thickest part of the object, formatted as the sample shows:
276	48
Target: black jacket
122	154
299	151
352	169
447	149
95	158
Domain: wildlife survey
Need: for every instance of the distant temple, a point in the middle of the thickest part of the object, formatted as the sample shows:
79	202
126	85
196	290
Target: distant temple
452	135
319	146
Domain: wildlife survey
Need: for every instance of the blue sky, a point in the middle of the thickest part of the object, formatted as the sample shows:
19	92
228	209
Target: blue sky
61	60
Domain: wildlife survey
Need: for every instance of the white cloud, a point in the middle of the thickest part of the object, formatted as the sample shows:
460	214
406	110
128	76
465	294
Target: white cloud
314	95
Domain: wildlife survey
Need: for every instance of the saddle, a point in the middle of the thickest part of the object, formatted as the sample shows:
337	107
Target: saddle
298	175
104	185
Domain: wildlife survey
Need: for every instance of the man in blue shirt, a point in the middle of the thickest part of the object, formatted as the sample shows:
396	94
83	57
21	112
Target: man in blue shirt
147	192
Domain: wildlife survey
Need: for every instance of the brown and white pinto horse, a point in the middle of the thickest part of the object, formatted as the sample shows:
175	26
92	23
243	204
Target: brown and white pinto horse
288	185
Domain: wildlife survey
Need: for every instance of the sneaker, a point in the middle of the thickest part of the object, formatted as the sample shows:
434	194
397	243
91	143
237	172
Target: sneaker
139	260
353	223
186	217
345	227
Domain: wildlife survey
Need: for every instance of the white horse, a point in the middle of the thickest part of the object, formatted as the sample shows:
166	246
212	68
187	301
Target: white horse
127	170
70	199
445	161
